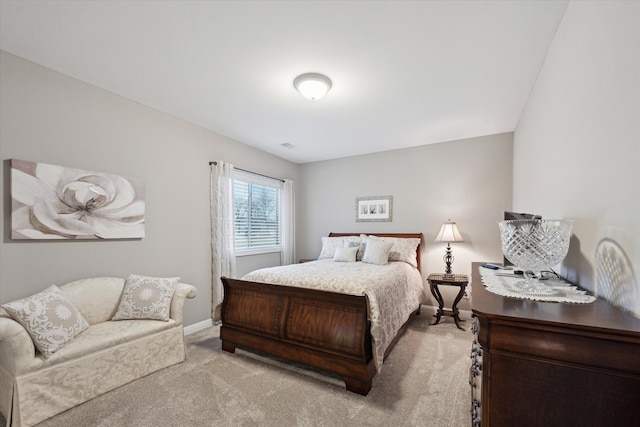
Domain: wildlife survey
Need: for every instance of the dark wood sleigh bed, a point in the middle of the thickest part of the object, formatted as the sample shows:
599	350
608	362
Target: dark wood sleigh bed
324	329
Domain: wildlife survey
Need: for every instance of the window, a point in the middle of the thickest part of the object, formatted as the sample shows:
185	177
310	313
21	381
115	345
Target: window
257	213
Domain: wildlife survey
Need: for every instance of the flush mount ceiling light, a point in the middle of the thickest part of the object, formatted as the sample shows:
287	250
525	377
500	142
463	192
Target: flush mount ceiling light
312	85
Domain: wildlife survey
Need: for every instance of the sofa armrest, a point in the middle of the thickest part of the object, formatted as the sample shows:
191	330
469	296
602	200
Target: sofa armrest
15	345
177	303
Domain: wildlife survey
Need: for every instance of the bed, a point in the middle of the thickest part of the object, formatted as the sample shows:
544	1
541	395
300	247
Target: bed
348	331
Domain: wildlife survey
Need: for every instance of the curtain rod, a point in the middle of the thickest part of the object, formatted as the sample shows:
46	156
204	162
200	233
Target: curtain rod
255	173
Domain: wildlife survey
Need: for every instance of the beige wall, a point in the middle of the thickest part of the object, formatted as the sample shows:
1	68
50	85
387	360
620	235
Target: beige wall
468	181
575	155
51	118
577	145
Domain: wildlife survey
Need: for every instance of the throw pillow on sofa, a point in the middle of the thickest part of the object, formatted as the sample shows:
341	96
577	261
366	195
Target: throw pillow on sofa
146	298
49	318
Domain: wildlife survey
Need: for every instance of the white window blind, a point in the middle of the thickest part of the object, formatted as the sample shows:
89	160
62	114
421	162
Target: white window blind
257	212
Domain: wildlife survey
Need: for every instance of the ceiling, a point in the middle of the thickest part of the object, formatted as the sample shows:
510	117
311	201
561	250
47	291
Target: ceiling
405	73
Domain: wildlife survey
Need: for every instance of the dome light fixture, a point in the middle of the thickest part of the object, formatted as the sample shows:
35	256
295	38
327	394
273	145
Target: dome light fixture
312	85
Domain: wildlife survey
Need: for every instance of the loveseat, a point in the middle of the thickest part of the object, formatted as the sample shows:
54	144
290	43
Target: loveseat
107	354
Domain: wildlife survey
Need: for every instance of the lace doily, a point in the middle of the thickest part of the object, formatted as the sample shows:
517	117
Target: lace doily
505	283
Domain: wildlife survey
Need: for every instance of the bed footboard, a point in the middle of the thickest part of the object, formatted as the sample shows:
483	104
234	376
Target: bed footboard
328	330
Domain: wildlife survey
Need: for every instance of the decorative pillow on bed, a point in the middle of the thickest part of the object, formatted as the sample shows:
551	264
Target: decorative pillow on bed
146	298
403	249
361	246
49	318
329	245
377	251
346	254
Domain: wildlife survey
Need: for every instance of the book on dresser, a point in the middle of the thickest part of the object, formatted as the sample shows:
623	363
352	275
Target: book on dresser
552	364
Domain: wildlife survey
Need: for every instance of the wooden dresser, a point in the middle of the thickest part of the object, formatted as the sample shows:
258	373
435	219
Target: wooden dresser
552	364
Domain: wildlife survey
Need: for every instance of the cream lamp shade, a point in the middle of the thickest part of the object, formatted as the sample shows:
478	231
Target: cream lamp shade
449	233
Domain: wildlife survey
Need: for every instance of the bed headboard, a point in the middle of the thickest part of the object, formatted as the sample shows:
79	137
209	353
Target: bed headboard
401	235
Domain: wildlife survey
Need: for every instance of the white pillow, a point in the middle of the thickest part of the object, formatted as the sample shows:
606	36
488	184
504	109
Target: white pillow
49	318
376	251
329	245
146	298
346	254
403	249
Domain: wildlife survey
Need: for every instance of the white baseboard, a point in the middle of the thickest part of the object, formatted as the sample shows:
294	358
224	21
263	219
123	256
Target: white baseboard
191	329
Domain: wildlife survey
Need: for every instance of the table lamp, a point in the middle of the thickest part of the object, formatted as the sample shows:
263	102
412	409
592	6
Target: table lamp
449	233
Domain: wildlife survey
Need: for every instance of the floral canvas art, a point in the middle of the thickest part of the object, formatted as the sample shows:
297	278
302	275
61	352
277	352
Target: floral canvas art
54	202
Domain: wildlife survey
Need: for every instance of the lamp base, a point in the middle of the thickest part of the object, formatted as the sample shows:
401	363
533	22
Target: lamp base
448	260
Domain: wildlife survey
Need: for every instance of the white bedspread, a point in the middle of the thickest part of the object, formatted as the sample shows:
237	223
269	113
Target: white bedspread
394	290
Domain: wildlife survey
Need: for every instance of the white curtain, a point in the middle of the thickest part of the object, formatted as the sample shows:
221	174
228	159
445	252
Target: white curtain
223	259
288	223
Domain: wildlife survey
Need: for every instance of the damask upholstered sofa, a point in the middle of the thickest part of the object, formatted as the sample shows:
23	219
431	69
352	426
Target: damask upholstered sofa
112	343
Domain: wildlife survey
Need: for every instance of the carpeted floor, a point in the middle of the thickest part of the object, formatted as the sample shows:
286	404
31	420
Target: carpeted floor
424	382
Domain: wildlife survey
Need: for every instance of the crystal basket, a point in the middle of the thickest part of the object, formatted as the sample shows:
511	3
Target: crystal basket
535	245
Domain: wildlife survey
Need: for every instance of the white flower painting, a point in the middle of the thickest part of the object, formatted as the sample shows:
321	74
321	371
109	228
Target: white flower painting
54	202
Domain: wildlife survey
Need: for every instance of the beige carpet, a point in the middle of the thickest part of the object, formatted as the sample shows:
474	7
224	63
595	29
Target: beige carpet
424	382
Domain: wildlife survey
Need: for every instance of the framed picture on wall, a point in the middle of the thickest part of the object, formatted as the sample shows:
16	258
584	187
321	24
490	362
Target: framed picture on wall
377	208
56	202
